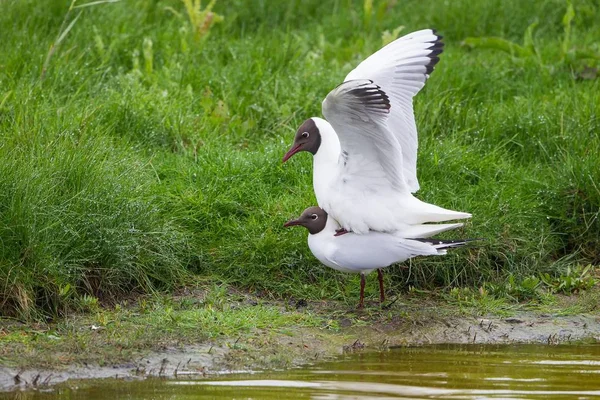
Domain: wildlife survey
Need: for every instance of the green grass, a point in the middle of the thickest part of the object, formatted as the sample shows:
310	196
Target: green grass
149	155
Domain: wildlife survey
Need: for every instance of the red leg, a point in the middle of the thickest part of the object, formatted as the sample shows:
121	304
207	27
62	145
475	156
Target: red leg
340	232
362	291
381	290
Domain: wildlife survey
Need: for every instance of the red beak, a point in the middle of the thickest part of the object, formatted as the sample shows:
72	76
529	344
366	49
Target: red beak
291	152
291	223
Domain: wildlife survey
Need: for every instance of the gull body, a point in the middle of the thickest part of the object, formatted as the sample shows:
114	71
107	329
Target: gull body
364	253
365	152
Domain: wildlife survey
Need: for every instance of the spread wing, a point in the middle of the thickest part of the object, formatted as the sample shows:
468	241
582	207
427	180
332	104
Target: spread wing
400	69
371	157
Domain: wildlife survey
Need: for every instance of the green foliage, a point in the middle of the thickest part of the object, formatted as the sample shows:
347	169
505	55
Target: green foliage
492	296
145	155
570	55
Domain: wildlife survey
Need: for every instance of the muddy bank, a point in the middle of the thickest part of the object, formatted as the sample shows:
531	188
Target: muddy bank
192	360
522	327
266	349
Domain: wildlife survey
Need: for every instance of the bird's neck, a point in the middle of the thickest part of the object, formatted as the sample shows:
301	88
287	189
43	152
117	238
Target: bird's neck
329	230
325	163
329	150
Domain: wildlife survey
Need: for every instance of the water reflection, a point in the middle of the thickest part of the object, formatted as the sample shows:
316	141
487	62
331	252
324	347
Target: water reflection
431	372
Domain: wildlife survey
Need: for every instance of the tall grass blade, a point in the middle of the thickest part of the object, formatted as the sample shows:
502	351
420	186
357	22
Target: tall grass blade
497	43
566	21
95	3
64	33
54	45
367	12
528	37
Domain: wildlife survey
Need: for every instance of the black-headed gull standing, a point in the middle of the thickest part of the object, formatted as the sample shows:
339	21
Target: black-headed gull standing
365	154
363	253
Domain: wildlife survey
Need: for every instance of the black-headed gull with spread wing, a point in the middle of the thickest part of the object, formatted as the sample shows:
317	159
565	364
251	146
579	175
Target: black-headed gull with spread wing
363	253
365	154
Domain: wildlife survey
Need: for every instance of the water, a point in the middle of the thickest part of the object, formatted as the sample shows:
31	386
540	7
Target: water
431	372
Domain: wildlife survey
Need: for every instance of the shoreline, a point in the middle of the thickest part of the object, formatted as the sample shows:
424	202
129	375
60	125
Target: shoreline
411	323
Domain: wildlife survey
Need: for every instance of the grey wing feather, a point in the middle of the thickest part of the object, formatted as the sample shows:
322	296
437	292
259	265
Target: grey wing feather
357	110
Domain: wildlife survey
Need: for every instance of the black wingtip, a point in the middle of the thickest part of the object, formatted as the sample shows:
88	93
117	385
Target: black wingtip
435	52
429	67
445	244
437	47
435	32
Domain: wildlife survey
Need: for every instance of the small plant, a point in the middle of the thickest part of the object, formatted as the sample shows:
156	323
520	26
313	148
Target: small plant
88	303
379	11
99	45
526	289
201	19
216	297
573	281
481	300
148	54
66	293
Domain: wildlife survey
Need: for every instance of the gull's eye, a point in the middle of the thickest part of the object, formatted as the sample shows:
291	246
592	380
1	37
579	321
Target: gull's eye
314	216
305	135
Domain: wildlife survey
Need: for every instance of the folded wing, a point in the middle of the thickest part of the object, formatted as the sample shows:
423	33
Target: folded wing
376	250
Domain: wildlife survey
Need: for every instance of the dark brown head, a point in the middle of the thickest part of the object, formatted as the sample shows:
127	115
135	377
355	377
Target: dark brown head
308	138
313	219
